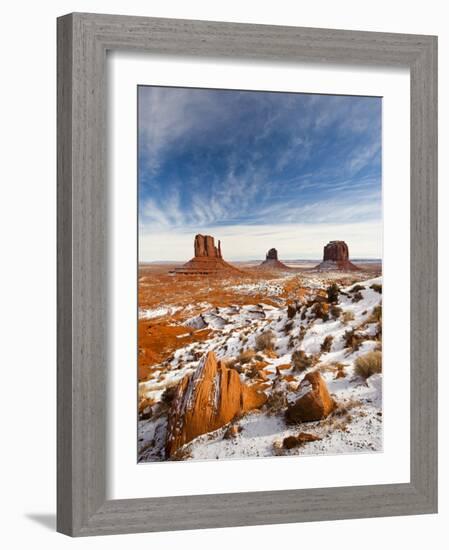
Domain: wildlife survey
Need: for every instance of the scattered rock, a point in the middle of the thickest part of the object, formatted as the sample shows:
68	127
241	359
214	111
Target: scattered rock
314	401
298	440
207	400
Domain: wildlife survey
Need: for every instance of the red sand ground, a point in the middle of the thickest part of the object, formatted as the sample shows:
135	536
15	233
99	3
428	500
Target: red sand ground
159	338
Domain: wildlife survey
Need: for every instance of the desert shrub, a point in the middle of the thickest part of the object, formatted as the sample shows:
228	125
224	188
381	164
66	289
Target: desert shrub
291	310
258	357
368	364
335	311
352	339
376	287
276	402
379	331
327	344
332	293
265	340
347	316
246	356
301	361
302	333
356	288
320	310
357	297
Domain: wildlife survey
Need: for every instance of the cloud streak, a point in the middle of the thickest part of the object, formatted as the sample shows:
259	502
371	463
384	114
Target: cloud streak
216	160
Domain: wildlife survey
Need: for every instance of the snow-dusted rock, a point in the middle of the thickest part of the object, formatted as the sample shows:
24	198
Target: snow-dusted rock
207	400
313	402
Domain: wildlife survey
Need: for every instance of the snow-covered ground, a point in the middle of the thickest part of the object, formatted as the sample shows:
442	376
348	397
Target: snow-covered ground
356	426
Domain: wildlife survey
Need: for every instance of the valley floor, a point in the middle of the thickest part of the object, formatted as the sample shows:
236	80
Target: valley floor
180	320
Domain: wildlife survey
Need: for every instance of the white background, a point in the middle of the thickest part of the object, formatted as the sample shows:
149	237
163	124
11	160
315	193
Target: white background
131	480
27	218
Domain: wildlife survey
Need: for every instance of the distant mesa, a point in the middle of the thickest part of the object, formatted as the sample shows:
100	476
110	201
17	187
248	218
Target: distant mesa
208	259
272	262
336	257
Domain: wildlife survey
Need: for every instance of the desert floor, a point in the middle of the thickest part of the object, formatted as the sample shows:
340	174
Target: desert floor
181	318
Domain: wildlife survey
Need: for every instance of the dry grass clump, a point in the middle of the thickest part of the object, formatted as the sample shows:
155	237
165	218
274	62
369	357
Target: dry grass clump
368	364
321	310
376	287
265	341
376	315
347	316
246	356
301	361
327	344
335	311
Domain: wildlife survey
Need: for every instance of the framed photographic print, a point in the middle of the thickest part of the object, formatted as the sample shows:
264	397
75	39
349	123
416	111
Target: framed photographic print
246	274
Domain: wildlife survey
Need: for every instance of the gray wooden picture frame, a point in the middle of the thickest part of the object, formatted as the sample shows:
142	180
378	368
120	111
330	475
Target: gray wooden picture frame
83	40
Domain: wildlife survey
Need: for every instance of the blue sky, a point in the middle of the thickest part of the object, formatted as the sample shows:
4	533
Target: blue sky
258	170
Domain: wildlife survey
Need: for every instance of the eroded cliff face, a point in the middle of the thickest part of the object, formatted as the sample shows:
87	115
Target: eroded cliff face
336	251
208	259
272	254
207	400
272	261
204	246
336	257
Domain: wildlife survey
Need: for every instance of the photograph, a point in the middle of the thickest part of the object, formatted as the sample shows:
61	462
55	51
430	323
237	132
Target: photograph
260	236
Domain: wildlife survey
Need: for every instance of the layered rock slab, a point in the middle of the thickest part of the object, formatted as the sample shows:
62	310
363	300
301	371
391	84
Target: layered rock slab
207	400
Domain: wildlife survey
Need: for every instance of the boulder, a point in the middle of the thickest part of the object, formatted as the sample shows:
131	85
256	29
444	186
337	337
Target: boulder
314	401
207	400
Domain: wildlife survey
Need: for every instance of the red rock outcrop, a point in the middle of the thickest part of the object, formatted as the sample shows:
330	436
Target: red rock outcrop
272	261
207	400
205	246
336	257
314	401
208	259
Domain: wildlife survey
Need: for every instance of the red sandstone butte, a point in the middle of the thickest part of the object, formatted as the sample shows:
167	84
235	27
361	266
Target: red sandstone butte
272	261
206	400
208	259
336	257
